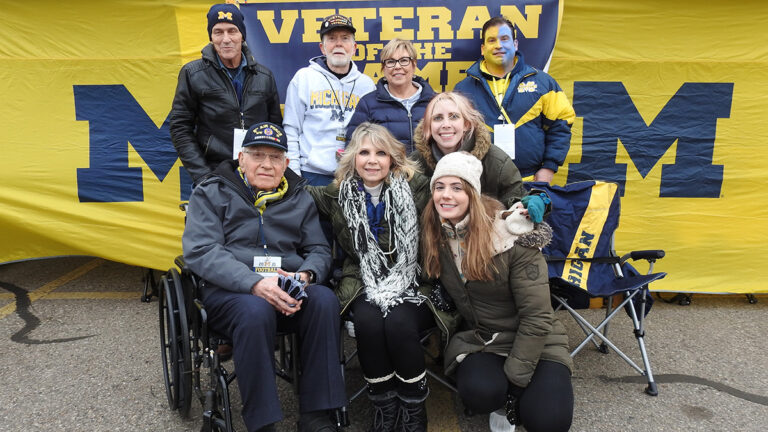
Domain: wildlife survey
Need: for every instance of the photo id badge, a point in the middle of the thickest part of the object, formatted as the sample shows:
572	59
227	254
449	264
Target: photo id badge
237	142
267	265
504	138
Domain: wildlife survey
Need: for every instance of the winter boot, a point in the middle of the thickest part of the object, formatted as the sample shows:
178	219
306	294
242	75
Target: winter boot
412	417
385	411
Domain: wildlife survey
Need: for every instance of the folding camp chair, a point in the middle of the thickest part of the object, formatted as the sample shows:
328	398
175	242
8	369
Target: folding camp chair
584	265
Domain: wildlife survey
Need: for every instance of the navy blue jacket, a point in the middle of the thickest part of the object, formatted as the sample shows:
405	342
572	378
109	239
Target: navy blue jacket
536	104
379	107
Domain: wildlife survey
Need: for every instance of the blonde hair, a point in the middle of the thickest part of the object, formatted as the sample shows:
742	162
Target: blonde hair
471	116
382	139
477	263
392	46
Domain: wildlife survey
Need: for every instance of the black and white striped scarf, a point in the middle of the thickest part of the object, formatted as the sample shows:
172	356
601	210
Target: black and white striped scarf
385	286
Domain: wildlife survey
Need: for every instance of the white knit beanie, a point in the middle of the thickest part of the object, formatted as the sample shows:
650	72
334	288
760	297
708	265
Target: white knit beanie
459	164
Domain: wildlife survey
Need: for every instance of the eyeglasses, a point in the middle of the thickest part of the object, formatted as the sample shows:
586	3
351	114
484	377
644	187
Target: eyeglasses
260	156
403	61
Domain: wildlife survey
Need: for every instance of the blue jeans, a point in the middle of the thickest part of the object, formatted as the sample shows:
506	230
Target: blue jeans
316	179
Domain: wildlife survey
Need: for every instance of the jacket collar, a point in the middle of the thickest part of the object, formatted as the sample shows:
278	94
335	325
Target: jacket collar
209	55
382	95
458	231
226	172
318	64
478	145
521	69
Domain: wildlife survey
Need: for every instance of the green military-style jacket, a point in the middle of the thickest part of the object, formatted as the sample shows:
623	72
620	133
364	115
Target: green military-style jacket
327	201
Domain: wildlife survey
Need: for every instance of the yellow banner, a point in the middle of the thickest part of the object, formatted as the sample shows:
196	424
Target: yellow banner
669	98
56	57
670	101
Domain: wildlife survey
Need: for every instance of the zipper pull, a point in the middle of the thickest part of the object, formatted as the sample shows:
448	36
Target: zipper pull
242	120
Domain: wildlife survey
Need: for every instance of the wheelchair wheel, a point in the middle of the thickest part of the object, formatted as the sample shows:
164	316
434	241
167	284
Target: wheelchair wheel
223	402
174	339
168	342
184	364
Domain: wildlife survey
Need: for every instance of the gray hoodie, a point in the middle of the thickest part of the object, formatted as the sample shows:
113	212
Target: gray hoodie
313	101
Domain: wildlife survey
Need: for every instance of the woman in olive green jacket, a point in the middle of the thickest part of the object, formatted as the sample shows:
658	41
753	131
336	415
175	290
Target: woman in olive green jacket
510	356
374	206
452	124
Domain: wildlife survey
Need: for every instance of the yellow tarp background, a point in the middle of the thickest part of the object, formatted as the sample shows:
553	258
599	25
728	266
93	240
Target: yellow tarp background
653	47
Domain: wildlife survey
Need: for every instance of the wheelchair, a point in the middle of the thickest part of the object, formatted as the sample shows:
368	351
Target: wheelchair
193	356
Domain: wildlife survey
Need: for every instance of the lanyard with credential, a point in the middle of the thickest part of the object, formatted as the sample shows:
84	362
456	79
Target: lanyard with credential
495	96
342	110
262	238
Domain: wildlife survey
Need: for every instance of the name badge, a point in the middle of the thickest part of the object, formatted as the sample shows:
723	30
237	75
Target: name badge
504	138
341	136
267	265
237	141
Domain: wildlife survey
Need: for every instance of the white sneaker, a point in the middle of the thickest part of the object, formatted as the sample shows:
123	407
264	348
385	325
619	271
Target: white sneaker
350	328
497	421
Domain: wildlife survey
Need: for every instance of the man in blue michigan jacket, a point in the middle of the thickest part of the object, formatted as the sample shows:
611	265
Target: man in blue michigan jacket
524	107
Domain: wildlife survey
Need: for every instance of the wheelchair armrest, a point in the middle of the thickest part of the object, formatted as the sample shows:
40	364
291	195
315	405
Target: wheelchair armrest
203	320
648	255
179	261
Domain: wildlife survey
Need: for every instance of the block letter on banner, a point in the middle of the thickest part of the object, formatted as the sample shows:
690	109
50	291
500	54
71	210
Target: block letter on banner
690	118
115	119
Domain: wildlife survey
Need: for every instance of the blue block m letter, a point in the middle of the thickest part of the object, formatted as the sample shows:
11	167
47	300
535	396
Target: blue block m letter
115	118
690	118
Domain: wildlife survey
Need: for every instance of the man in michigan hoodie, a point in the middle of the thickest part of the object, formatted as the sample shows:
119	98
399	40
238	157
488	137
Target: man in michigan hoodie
321	99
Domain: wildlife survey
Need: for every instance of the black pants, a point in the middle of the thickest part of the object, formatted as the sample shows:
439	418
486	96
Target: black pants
545	405
391	345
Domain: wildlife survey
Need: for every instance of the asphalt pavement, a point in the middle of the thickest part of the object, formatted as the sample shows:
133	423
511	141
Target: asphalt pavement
82	353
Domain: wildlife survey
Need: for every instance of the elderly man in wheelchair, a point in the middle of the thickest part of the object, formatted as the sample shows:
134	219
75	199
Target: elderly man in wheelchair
253	238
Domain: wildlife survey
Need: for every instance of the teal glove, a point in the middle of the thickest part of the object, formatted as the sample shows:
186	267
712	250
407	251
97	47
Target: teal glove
536	205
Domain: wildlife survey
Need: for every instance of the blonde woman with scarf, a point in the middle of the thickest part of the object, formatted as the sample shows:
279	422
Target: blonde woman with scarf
374	205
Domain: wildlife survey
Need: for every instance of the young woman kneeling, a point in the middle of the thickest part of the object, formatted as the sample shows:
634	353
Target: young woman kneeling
510	357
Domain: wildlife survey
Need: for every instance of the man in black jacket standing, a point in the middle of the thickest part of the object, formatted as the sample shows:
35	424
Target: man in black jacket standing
219	95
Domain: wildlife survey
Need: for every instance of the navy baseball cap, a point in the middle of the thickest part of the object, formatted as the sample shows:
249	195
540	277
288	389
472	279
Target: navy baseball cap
268	134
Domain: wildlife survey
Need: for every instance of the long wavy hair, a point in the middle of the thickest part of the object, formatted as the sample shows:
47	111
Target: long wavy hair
473	119
381	139
477	263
